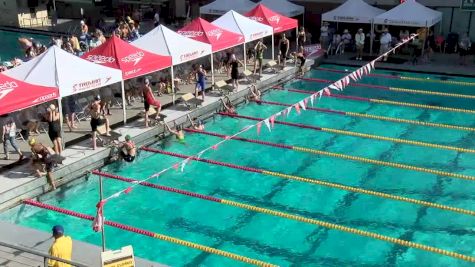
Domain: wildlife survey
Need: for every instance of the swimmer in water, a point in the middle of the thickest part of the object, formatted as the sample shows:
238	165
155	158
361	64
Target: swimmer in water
228	106
178	132
128	149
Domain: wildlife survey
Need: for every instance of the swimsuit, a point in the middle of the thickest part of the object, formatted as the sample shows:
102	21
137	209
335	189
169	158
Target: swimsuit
234	70
54	130
283	49
201	81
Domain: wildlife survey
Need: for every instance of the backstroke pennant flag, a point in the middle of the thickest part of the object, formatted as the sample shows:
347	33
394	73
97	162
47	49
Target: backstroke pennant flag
258	127
327	91
297	108
266	122
272	119
302	104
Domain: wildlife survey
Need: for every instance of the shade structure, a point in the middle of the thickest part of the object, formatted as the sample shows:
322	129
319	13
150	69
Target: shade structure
163	41
131	60
220	7
67	72
17	95
353	11
250	29
410	13
203	31
278	22
284	7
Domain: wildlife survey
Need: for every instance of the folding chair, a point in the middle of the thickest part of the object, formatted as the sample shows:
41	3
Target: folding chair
19	135
222	86
83	114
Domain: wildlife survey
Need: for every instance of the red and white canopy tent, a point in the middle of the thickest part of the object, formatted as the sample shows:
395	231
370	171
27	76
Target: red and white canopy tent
250	29
278	22
17	95
69	73
131	60
219	38
163	41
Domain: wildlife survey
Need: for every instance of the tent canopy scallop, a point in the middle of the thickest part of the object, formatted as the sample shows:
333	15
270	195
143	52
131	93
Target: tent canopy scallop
266	16
163	41
250	29
131	60
17	95
65	71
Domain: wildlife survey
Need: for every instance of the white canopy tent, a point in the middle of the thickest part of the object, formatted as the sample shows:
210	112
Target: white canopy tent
220	7
164	41
409	13
67	72
353	11
250	29
284	7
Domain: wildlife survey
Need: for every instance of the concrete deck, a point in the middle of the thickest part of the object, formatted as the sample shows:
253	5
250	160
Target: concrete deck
84	253
440	63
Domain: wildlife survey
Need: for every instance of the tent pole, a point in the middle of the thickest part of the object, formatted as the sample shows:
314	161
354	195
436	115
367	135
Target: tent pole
173	85
245	57
212	72
123	100
60	108
273	54
297	39
424	41
371	38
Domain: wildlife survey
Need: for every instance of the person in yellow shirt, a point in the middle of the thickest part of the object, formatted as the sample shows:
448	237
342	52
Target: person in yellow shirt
62	247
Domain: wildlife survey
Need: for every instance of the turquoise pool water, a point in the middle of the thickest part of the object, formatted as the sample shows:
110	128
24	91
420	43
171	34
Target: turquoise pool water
277	240
10	46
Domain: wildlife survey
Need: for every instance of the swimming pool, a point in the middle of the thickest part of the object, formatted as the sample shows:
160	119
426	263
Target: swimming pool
287	242
10	46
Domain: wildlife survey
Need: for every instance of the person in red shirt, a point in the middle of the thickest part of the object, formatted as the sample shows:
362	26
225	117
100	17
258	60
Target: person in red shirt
149	100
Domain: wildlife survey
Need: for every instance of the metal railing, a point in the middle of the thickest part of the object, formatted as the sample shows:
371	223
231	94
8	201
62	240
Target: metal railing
45	256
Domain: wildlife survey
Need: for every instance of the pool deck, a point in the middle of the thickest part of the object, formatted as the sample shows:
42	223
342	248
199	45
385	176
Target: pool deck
444	64
17	183
84	253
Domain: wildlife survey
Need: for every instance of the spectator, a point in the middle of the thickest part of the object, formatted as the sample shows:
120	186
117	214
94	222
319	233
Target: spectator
359	41
336	41
324	36
464	48
134	32
385	43
346	38
9	135
156	18
84	31
301	37
62	247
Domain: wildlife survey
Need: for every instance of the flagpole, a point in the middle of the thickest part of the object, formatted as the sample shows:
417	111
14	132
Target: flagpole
101	197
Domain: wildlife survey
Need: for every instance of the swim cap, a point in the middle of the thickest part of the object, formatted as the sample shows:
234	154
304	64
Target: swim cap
32	141
127	137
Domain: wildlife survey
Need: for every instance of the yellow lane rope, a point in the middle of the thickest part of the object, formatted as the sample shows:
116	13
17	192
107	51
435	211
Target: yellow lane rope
385	163
437	81
217	251
424	92
397	103
354	231
369	192
422	123
397	140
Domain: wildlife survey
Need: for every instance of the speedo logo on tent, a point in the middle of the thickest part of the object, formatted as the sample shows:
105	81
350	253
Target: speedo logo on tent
99	59
45	98
257	18
275	18
191	34
6	88
216	32
135	57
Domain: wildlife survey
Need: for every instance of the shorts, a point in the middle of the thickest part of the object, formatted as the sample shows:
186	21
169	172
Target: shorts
95	122
146	105
127	157
463	52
